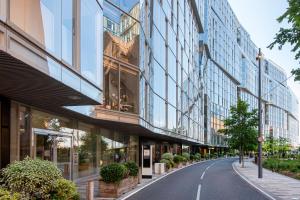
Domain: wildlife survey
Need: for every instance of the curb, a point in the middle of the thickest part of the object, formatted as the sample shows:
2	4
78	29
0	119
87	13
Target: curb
252	184
161	177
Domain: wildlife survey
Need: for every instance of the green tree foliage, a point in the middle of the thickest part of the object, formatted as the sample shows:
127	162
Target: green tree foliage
241	128
291	34
276	147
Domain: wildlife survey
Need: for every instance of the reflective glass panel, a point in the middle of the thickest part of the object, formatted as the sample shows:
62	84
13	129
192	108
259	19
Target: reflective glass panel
67	31
91	41
159	78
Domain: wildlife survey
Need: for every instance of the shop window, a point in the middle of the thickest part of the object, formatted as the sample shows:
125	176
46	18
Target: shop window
87	151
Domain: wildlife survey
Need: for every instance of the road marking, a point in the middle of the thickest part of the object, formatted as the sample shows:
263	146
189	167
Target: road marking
250	183
157	179
198	192
202	176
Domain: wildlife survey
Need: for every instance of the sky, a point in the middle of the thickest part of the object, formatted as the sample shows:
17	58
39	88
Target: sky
258	17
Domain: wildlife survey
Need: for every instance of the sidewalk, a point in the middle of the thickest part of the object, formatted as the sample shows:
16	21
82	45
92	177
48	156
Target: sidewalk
275	185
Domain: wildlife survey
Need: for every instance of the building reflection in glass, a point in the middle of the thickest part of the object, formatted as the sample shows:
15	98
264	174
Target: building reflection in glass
121	56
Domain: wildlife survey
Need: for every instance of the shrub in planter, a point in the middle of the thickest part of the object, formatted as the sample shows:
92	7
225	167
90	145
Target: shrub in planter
113	173
6	195
198	156
132	168
117	179
167	156
178	159
31	178
64	189
170	157
167	162
186	156
184	160
192	157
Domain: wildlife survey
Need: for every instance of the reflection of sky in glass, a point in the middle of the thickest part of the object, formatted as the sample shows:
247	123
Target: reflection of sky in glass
113	13
85	110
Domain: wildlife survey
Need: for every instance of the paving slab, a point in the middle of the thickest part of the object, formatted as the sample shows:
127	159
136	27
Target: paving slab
275	185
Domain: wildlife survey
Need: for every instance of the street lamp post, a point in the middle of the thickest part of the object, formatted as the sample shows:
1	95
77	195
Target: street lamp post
259	160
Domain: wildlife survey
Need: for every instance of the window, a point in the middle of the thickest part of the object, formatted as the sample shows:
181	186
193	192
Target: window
159	112
158	47
121	93
111	90
41	20
159	80
128	90
67	31
172	118
91	41
171	91
171	64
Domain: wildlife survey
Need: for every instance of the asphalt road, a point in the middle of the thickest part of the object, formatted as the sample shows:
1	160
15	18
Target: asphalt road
212	180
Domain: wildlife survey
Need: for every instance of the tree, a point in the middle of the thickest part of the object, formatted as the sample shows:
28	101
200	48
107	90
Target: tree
241	128
290	35
277	147
283	146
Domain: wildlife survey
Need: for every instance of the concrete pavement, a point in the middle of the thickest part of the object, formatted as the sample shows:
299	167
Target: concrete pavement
212	180
276	185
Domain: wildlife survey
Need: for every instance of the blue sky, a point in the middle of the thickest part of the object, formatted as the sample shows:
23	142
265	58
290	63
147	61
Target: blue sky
258	17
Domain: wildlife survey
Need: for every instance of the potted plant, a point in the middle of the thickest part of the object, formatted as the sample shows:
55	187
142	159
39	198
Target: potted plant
117	179
187	157
178	160
168	157
167	164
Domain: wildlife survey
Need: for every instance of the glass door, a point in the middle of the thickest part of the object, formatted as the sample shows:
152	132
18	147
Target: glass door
56	147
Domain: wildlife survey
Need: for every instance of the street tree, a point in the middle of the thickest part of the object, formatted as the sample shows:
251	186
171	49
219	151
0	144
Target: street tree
241	128
291	34
283	146
269	145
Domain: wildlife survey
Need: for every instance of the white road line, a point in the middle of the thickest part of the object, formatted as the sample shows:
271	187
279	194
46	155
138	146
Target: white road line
202	175
249	182
198	192
157	179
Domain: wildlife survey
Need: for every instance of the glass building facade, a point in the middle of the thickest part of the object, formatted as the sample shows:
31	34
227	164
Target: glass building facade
233	73
86	83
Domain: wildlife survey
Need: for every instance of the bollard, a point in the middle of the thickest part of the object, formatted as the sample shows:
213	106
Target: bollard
90	190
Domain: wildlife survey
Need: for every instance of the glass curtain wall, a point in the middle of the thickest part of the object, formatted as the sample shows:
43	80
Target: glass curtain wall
171	78
50	23
77	148
121	55
91	49
56	27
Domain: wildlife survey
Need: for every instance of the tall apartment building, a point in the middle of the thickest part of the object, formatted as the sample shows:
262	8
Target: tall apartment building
232	72
84	83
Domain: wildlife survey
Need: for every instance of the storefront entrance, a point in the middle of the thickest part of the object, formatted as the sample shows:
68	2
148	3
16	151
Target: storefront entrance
55	147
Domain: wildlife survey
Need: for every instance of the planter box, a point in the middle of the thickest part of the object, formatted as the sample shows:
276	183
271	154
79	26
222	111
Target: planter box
179	165
114	190
159	168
